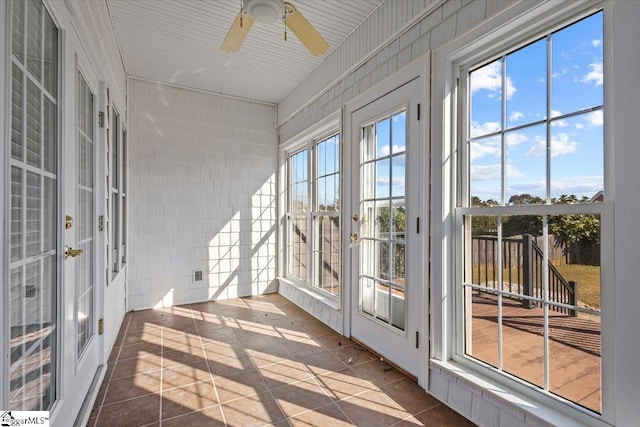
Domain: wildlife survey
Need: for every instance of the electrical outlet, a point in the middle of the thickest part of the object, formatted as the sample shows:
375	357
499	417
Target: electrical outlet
197	275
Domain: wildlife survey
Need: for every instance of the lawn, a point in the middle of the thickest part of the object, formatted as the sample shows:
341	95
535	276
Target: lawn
588	279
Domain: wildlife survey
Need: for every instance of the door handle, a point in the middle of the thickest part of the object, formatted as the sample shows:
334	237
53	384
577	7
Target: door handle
70	252
354	237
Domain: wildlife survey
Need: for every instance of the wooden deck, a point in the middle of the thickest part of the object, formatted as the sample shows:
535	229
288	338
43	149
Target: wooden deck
574	347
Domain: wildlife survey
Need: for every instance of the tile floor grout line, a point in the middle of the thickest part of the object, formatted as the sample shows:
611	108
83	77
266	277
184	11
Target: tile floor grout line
101	405
206	359
283	359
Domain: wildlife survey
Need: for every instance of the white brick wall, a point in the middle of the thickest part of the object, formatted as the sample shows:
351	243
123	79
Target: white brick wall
476	403
202	196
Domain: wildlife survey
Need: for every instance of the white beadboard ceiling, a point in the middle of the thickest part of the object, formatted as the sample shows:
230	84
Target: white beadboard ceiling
178	42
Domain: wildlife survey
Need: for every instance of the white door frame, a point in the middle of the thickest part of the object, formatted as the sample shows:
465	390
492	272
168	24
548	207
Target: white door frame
416	69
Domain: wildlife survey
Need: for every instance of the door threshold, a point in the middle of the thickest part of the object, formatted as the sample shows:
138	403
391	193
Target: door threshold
383	359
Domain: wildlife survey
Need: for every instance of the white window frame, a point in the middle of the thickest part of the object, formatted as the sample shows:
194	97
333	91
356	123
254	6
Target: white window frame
116	223
516	25
308	140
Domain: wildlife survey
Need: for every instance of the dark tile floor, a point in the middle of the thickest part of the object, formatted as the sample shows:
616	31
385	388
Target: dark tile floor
252	361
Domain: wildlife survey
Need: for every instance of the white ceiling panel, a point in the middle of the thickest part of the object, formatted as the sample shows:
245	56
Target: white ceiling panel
178	42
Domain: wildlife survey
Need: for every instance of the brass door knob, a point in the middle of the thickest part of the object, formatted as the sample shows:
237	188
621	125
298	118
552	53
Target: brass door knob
354	237
70	252
68	222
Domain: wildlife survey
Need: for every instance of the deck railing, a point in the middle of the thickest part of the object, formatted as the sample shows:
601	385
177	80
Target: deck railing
522	271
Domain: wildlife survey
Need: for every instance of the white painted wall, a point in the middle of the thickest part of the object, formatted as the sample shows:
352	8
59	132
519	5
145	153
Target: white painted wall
202	196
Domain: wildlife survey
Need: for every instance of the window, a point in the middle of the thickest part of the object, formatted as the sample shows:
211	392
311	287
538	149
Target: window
326	216
313	215
298	201
117	185
530	205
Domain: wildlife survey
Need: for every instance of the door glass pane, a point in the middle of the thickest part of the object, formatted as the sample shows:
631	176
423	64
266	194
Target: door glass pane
34	121
115	132
49	128
17	112
34	38
17	29
84	215
16	214
382	205
34	210
34	204
50	56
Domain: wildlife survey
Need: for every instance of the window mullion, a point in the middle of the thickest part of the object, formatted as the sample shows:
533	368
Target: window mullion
545	299
548	124
503	138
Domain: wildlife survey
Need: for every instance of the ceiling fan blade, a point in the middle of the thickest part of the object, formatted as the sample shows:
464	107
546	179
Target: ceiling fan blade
237	33
305	31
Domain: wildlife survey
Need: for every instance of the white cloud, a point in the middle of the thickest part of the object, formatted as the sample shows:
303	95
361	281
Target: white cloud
516	115
478	151
385	150
513	172
579	126
558	123
579	185
494	171
489	78
564	71
595	118
397	183
596	43
485	172
479	129
531	187
596	75
516	138
560	144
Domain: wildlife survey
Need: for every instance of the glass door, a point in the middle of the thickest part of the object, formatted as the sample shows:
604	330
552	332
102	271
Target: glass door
82	344
34	210
386	249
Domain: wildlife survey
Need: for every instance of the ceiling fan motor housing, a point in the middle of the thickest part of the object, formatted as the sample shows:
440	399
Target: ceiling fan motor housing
265	11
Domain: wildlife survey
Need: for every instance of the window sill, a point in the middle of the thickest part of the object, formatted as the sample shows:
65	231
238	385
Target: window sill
321	296
509	400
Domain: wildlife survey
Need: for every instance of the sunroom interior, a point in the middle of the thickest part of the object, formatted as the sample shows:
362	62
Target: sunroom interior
320	212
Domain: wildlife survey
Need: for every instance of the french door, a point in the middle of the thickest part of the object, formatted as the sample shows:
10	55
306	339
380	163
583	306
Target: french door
33	161
81	344
50	345
385	245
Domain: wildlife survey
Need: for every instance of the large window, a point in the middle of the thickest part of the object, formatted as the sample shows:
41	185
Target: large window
531	202
117	190
313	215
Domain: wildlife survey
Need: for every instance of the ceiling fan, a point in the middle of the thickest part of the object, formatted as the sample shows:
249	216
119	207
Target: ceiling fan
270	11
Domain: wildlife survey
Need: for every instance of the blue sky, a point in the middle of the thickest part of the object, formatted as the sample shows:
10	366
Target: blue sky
576	148
391	141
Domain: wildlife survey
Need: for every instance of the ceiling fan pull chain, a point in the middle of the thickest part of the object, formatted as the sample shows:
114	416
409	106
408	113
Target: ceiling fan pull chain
241	11
285	25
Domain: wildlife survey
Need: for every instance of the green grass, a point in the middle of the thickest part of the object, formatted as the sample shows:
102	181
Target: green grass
588	279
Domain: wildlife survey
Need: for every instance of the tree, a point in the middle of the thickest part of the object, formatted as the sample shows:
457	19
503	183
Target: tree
523	224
